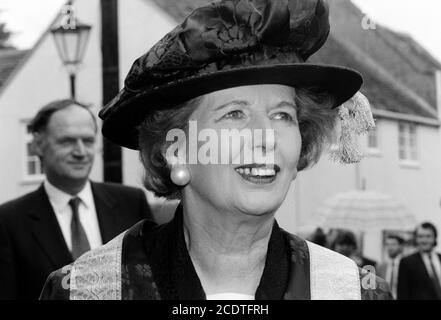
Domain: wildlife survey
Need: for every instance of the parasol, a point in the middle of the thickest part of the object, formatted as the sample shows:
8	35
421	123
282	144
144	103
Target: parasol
363	211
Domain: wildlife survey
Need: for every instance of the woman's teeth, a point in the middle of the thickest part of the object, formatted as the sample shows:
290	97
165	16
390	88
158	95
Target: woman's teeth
257	172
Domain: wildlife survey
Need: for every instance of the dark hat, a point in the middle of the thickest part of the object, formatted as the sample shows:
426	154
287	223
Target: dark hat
226	44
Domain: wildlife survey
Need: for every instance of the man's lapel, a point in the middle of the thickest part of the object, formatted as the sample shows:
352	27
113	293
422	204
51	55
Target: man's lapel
106	210
46	230
423	269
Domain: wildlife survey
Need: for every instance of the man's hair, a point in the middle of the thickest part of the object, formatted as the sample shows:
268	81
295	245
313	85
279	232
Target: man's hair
430	226
399	239
345	237
40	121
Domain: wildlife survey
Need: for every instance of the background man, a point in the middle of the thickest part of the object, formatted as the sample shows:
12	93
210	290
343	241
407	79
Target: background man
389	269
420	273
68	214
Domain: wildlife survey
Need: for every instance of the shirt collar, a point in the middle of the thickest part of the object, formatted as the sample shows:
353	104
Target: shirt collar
59	199
427	254
176	276
396	259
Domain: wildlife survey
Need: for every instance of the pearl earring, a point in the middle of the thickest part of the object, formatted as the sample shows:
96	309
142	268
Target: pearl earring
180	175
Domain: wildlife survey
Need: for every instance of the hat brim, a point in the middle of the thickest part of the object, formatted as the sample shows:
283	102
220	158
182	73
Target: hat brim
122	117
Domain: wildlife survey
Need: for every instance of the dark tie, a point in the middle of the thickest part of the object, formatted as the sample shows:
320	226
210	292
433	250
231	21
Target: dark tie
80	244
435	277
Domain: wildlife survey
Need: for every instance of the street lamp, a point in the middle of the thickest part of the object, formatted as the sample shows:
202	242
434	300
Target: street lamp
71	37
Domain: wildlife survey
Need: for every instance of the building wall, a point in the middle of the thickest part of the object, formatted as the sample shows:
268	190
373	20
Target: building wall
40	80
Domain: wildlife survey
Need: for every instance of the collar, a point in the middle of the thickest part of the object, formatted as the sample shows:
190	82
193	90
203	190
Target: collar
59	199
396	259
426	255
176	277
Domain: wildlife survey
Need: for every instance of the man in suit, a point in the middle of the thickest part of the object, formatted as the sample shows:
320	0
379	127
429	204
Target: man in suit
389	269
420	273
68	214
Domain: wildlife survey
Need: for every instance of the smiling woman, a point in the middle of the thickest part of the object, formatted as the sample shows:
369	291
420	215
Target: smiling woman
239	66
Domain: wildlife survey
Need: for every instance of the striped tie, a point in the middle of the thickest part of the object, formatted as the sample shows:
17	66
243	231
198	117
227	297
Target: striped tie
80	244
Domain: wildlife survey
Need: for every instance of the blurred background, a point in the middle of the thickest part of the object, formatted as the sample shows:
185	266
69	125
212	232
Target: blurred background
394	44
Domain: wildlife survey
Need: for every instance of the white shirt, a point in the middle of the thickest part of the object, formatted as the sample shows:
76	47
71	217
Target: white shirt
229	296
435	261
86	211
396	264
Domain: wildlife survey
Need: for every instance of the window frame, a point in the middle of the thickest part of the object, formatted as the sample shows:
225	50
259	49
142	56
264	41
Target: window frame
408	146
374	150
27	158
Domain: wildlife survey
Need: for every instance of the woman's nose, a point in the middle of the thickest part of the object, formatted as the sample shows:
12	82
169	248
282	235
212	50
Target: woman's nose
263	133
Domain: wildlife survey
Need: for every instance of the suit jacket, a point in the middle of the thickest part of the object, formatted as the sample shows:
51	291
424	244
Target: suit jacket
414	282
381	270
32	244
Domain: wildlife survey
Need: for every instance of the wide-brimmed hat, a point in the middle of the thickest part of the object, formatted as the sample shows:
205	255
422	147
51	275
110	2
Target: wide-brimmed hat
226	44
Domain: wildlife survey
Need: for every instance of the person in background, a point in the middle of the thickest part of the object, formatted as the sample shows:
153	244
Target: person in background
319	237
68	214
420	273
389	269
346	244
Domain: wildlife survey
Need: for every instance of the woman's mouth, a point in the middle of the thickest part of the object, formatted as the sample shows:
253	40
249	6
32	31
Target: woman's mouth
258	173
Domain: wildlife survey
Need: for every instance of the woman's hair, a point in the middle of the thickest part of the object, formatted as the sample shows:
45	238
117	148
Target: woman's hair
315	115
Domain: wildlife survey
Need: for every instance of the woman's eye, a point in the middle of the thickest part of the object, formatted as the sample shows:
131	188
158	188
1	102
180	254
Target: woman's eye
284	116
236	114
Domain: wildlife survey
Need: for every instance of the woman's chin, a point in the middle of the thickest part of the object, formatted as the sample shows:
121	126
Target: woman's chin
259	206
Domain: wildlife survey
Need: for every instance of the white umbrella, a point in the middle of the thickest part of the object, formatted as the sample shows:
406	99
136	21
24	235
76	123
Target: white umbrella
363	211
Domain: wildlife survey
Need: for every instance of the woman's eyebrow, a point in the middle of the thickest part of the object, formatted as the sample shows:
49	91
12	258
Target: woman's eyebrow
241	103
286	104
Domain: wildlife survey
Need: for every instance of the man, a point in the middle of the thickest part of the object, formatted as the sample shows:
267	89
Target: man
420	273
67	215
389	270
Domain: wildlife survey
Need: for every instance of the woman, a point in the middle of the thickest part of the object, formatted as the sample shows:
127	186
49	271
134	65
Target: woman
231	65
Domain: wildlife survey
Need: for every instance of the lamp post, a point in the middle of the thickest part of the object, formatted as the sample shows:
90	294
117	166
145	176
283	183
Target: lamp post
71	37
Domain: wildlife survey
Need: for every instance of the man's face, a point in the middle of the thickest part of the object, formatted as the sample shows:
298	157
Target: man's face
425	239
393	247
67	146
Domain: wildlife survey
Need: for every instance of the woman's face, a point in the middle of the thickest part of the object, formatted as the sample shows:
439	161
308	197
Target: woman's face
244	184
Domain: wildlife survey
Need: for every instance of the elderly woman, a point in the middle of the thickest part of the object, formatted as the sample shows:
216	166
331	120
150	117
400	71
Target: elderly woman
233	65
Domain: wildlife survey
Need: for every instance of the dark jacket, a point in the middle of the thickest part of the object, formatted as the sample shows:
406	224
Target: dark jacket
32	244
414	282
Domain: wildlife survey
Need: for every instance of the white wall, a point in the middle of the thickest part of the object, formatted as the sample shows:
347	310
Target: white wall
39	81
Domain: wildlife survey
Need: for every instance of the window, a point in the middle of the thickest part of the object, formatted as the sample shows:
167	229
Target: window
373	139
33	169
407	142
